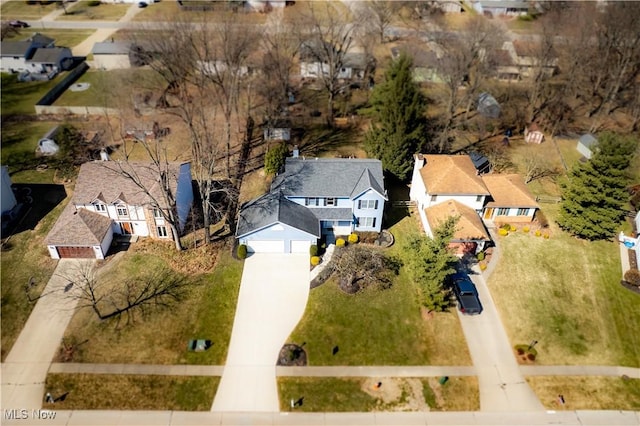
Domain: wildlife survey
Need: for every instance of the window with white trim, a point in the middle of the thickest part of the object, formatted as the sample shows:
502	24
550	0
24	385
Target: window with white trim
478	198
523	212
122	210
157	213
162	231
329	201
100	207
366	222
502	211
434	198
368	204
311	201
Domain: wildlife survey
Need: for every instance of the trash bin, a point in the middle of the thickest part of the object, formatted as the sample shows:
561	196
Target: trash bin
443	380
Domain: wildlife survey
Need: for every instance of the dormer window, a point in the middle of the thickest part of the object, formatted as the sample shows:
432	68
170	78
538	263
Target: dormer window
122	210
100	207
157	213
329	201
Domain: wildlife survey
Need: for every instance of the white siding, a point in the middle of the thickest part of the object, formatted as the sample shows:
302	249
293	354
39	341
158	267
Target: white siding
11	63
262	246
361	213
8	199
53	252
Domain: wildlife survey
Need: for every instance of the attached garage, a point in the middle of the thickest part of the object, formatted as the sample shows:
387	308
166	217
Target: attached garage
80	234
273	224
261	246
75	252
300	246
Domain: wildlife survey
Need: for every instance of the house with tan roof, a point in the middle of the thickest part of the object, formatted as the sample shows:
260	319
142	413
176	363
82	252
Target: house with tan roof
450	185
106	203
510	200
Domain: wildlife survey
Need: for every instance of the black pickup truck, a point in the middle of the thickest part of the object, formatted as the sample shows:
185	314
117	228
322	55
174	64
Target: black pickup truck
466	293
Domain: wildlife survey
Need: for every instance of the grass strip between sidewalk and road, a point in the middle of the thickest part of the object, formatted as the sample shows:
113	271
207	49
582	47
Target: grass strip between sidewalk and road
587	393
120	392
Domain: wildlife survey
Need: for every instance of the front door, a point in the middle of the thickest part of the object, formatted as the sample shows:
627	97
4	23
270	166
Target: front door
488	213
126	228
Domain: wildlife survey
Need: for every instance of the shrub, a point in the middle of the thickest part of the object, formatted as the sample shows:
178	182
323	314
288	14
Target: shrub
525	229
313	250
242	251
538	233
506	227
315	260
340	242
353	238
275	157
513	228
94	3
503	232
542	219
546	236
483	266
526	18
632	276
480	256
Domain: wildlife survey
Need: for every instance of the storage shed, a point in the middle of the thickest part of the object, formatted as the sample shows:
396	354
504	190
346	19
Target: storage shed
586	145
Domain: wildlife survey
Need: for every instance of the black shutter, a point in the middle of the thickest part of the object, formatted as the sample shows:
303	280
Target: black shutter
376	205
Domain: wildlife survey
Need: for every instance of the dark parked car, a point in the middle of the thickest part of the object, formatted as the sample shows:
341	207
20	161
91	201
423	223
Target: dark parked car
19	24
466	293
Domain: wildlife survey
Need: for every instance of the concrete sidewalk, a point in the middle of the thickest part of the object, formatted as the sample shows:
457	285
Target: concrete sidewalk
273	296
25	368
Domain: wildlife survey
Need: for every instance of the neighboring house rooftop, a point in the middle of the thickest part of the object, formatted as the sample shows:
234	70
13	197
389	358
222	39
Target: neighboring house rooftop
469	227
588	140
79	227
273	208
330	177
508	190
41	40
115	48
451	174
47	55
14	48
103	180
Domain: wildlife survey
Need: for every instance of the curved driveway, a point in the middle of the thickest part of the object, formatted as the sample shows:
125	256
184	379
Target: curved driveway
273	295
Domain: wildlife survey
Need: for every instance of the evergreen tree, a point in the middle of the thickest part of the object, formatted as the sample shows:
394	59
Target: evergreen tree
275	158
398	119
431	262
594	197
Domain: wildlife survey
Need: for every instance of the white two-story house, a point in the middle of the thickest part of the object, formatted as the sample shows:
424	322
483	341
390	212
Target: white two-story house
314	198
106	203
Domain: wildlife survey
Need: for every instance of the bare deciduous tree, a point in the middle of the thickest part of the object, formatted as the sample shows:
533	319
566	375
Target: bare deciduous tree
359	267
380	13
537	167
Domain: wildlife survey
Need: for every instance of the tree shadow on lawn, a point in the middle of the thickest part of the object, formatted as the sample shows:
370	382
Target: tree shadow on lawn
36	201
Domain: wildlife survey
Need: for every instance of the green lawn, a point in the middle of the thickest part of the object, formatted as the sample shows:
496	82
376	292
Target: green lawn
587	393
82	11
379	327
18	9
566	294
62	37
130	392
361	394
19	143
161	336
21	97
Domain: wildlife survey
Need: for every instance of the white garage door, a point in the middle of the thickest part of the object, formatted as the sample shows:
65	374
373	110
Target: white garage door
257	246
300	246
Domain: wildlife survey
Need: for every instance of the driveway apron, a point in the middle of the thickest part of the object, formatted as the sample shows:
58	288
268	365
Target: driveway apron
273	295
25	368
502	385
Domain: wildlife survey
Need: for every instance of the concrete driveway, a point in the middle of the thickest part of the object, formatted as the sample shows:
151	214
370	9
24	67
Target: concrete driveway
273	295
502	385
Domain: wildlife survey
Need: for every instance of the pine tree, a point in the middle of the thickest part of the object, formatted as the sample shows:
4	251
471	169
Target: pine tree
431	262
398	119
594	197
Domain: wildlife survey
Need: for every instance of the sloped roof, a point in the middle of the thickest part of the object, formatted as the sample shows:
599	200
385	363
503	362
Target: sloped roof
104	180
273	208
41	40
451	174
508	190
329	177
48	55
470	226
79	227
588	140
14	48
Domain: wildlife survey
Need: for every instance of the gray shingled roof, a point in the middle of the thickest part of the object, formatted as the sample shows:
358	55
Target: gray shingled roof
329	177
273	208
333	213
78	228
103	180
115	48
48	55
14	48
41	40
